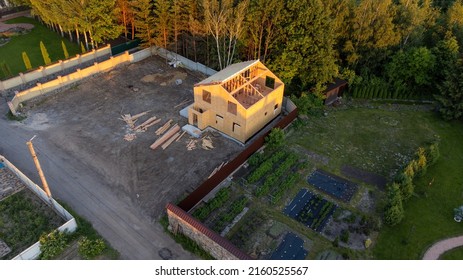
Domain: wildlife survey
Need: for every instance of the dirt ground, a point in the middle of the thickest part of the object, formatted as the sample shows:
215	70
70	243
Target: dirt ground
85	122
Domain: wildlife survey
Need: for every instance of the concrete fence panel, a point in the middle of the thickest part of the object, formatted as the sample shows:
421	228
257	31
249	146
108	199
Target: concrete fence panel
44	71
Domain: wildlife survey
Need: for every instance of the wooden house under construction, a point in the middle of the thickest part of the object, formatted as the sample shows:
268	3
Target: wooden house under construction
238	101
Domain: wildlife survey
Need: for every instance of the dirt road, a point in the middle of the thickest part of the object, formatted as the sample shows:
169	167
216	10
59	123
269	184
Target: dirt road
132	234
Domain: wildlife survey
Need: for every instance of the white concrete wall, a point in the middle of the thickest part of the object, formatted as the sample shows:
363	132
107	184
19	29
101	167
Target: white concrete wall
62	81
41	72
33	251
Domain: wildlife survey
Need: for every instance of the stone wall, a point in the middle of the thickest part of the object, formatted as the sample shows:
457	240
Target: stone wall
219	247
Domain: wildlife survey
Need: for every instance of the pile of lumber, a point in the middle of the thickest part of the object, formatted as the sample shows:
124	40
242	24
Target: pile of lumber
207	143
130	120
164	128
145	125
167	138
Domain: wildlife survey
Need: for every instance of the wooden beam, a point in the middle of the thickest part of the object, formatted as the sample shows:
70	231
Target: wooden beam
171	139
165	137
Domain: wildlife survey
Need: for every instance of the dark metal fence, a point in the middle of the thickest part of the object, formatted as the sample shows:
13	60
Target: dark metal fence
125	47
207	186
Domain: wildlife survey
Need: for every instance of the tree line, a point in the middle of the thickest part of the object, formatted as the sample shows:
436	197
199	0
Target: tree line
402	45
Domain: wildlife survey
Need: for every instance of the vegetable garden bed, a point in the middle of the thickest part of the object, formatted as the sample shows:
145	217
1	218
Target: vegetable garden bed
310	209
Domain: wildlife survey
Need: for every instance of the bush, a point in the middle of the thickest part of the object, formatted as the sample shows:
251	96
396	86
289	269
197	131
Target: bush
275	139
432	153
91	248
344	236
51	245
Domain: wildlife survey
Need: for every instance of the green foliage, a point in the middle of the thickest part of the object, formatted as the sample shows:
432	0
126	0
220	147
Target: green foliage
5	70
227	216
275	139
308	103
27	61
432	153
144	21
91	248
65	50
394	212
53	244
265	167
45	55
220	198
344	236
307	53
450	97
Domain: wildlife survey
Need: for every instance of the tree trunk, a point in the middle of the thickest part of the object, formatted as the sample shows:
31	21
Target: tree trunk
86	40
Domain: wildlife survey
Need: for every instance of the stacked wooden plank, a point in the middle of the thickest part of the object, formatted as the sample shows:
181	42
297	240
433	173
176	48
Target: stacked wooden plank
184	102
130	137
170	140
165	137
164	128
148	123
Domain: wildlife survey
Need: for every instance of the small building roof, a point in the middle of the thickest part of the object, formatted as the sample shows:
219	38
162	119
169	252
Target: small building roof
337	83
227	73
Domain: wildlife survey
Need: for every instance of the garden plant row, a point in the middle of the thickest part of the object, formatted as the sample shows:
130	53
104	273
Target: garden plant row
219	200
229	214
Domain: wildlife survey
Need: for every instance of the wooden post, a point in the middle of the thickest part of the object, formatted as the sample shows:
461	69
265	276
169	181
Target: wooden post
39	169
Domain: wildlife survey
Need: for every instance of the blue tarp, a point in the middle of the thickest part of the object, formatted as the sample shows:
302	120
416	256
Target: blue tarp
332	185
301	199
2	165
291	248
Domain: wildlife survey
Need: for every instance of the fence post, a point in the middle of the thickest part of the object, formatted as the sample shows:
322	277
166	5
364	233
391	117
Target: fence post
42	71
23	78
61	64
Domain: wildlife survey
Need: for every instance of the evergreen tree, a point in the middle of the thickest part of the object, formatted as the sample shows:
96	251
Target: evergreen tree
144	20
27	61
65	50
394	211
46	57
450	96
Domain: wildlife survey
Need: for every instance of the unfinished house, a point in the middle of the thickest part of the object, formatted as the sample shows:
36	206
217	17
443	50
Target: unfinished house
238	101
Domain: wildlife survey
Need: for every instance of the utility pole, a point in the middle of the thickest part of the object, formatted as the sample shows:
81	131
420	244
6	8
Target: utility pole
39	169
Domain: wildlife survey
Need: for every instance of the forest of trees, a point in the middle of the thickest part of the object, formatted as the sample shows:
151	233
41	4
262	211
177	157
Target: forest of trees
402	45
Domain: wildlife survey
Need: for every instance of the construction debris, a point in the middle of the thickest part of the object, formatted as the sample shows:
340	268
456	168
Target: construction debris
165	137
130	137
217	169
163	128
207	143
130	120
191	144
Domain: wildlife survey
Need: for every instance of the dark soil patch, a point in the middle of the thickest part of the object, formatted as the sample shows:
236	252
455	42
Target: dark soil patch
364	176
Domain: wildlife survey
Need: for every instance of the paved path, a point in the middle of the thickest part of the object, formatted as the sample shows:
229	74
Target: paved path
125	228
436	250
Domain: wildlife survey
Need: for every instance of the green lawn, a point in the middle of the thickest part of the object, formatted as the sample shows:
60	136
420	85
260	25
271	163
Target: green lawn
455	254
375	140
381	141
429	214
11	53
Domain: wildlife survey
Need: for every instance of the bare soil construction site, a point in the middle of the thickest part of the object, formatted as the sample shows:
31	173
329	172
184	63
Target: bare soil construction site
87	121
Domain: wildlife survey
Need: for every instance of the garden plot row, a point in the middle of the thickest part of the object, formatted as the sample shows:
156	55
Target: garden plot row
310	209
273	175
220	211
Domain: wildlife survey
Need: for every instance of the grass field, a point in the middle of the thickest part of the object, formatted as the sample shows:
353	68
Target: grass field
381	141
11	53
429	214
455	254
